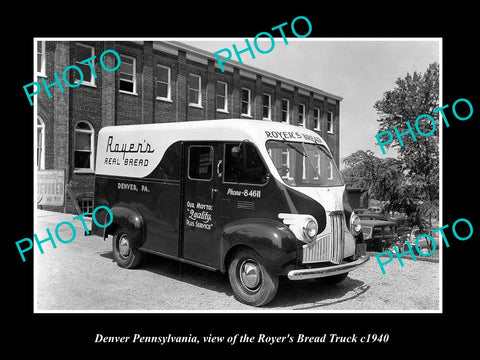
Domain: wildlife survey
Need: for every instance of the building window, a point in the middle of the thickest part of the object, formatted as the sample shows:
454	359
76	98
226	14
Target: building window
86	205
266	107
316	164
163	83
194	90
200	162
285	167
83	146
222	103
330	171
330	122
246	102
304	168
285	111
41	58
316	119
128	74
301	115
40	144
83	52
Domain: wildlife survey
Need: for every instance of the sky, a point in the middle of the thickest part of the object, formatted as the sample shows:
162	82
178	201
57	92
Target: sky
359	70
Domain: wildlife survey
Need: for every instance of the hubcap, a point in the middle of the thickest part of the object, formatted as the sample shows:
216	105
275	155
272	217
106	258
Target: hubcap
425	250
123	246
250	274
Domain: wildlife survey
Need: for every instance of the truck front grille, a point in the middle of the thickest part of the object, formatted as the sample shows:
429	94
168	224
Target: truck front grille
329	247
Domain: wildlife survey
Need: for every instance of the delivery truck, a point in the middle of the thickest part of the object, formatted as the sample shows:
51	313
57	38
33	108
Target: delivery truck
253	199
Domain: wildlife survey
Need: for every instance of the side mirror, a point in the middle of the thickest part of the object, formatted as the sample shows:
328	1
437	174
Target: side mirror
235	152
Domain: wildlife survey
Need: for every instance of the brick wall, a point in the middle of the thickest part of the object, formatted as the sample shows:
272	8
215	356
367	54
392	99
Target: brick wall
103	104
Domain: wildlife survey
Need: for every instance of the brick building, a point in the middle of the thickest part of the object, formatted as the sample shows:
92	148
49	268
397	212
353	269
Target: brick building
157	81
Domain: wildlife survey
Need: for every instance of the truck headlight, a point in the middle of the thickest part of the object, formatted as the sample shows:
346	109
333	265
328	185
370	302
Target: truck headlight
355	224
310	229
304	226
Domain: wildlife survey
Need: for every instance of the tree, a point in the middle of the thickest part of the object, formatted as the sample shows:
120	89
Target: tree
383	178
415	95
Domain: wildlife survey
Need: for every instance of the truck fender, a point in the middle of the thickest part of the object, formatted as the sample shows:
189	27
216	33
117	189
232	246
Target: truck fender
272	240
130	220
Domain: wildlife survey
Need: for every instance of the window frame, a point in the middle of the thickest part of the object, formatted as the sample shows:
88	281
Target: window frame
330	122
319	168
41	146
78	63
212	154
249	103
269	106
316	119
91	131
81	203
287	112
288	175
330	171
225	87
169	84
304	123
43	58
199	103
134	75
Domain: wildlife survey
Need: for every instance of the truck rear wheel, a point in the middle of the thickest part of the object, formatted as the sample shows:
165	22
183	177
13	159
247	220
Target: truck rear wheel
124	255
251	282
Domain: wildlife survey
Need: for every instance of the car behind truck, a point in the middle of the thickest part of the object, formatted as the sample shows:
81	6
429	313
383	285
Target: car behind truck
254	199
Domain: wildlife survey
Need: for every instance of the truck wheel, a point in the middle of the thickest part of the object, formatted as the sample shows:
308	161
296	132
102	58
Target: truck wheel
124	255
251	282
332	280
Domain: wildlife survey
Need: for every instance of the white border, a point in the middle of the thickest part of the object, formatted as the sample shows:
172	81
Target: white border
261	310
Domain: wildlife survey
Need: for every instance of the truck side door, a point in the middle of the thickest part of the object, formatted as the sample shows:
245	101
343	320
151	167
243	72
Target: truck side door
201	202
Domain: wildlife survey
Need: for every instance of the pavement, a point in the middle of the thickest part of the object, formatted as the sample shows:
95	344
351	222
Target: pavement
435	257
82	276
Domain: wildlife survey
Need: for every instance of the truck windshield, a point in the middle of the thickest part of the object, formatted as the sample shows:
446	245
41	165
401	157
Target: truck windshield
304	164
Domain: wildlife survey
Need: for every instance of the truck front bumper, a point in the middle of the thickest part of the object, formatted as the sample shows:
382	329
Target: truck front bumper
303	274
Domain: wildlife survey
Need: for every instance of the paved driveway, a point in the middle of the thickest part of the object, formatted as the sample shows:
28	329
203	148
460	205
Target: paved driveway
82	275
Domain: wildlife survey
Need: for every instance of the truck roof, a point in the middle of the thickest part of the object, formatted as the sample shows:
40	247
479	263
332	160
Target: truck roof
149	141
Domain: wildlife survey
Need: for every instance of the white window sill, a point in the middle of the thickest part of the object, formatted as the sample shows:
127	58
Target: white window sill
195	105
127	92
84	83
83	171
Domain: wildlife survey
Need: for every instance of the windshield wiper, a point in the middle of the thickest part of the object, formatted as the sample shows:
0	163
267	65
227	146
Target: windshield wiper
294	148
310	161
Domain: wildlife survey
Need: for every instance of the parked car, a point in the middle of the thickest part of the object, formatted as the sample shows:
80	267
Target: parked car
402	237
368	215
378	234
424	244
360	210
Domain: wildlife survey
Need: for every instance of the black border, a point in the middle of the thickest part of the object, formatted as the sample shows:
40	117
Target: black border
411	333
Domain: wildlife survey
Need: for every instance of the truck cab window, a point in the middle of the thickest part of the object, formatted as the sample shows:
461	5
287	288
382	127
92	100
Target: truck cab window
200	159
244	165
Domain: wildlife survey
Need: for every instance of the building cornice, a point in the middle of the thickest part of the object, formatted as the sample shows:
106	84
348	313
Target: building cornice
202	56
